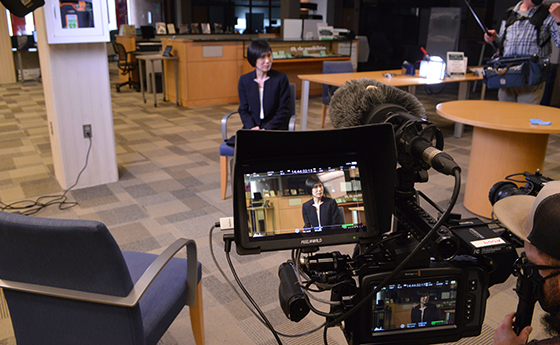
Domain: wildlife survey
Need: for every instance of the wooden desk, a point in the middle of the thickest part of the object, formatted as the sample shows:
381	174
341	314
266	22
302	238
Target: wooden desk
20	65
339	79
153	58
503	143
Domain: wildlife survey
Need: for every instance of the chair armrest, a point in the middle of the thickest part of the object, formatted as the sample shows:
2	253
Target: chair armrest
137	291
224	125
292	123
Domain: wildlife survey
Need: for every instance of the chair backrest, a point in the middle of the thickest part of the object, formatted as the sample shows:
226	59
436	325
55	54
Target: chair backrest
334	67
121	52
74	254
292	99
291	118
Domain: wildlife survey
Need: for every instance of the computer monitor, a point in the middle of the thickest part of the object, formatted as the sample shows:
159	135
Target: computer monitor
275	170
254	22
148	32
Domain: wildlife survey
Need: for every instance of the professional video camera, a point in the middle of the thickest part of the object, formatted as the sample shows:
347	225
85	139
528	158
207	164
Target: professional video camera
367	173
503	189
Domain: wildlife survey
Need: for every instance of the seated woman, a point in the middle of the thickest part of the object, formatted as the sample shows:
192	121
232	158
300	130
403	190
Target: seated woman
425	311
320	211
264	94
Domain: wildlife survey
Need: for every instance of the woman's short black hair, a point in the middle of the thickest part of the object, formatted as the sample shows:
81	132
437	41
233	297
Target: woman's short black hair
311	182
255	49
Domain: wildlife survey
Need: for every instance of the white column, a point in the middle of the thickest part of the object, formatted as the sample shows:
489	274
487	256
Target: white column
7	69
77	92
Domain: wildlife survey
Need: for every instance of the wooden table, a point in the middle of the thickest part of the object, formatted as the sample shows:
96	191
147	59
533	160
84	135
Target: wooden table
503	143
153	58
398	80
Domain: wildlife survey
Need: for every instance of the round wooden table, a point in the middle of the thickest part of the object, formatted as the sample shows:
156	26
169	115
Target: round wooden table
504	142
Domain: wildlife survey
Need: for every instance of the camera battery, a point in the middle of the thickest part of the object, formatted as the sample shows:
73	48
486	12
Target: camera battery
478	237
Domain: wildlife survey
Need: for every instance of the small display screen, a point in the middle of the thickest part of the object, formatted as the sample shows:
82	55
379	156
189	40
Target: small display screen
414	305
76	14
305	201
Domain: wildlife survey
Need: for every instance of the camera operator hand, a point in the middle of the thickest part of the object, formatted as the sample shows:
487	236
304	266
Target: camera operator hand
505	335
491	36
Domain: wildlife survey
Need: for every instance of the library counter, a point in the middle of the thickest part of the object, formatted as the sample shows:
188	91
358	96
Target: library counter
209	70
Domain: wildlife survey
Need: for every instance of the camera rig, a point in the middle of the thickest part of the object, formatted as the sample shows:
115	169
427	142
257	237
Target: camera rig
402	252
453	260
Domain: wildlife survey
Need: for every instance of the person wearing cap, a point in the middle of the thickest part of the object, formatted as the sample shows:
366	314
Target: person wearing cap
536	220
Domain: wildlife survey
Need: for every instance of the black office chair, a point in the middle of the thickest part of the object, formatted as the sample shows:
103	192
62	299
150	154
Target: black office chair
126	66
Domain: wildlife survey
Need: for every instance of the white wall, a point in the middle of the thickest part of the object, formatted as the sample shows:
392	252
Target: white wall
7	69
77	92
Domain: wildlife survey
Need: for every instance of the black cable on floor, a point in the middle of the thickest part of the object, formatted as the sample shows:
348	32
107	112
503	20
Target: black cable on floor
29	207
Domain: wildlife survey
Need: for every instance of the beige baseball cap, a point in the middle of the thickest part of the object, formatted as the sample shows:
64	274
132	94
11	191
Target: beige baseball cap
534	219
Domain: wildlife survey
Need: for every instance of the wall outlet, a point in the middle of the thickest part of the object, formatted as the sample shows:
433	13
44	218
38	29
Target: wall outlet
87	131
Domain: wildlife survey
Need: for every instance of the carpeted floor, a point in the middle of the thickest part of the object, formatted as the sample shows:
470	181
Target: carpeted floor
169	187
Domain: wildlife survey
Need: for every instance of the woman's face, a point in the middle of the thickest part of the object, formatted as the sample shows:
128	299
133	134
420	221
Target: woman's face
317	191
264	62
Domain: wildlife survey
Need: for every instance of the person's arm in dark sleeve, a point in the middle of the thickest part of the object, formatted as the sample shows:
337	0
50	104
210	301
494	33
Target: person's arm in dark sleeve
283	111
243	109
336	217
306	221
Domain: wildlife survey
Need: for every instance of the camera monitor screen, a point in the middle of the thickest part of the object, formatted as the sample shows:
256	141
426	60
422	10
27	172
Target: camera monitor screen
298	191
423	306
415	304
295	194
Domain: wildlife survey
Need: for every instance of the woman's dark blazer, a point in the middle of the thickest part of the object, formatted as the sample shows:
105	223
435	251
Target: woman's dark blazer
328	210
276	99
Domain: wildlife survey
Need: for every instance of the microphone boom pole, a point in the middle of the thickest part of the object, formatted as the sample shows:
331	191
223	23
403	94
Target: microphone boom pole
484	28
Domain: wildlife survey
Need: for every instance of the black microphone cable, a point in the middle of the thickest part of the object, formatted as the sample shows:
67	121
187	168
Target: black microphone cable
33	207
228	239
251	309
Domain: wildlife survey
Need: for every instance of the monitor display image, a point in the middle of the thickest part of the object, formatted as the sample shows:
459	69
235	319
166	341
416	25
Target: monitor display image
414	305
290	194
422	304
282	202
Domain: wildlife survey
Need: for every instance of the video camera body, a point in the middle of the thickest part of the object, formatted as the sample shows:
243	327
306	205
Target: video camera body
458	283
401	251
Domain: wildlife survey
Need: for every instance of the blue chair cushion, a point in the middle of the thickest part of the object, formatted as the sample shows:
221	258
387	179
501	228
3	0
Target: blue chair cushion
226	150
166	296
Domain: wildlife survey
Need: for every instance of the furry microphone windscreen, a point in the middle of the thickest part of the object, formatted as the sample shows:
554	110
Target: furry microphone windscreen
352	101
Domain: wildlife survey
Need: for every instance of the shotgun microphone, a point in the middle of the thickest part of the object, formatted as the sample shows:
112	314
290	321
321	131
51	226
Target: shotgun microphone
419	142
